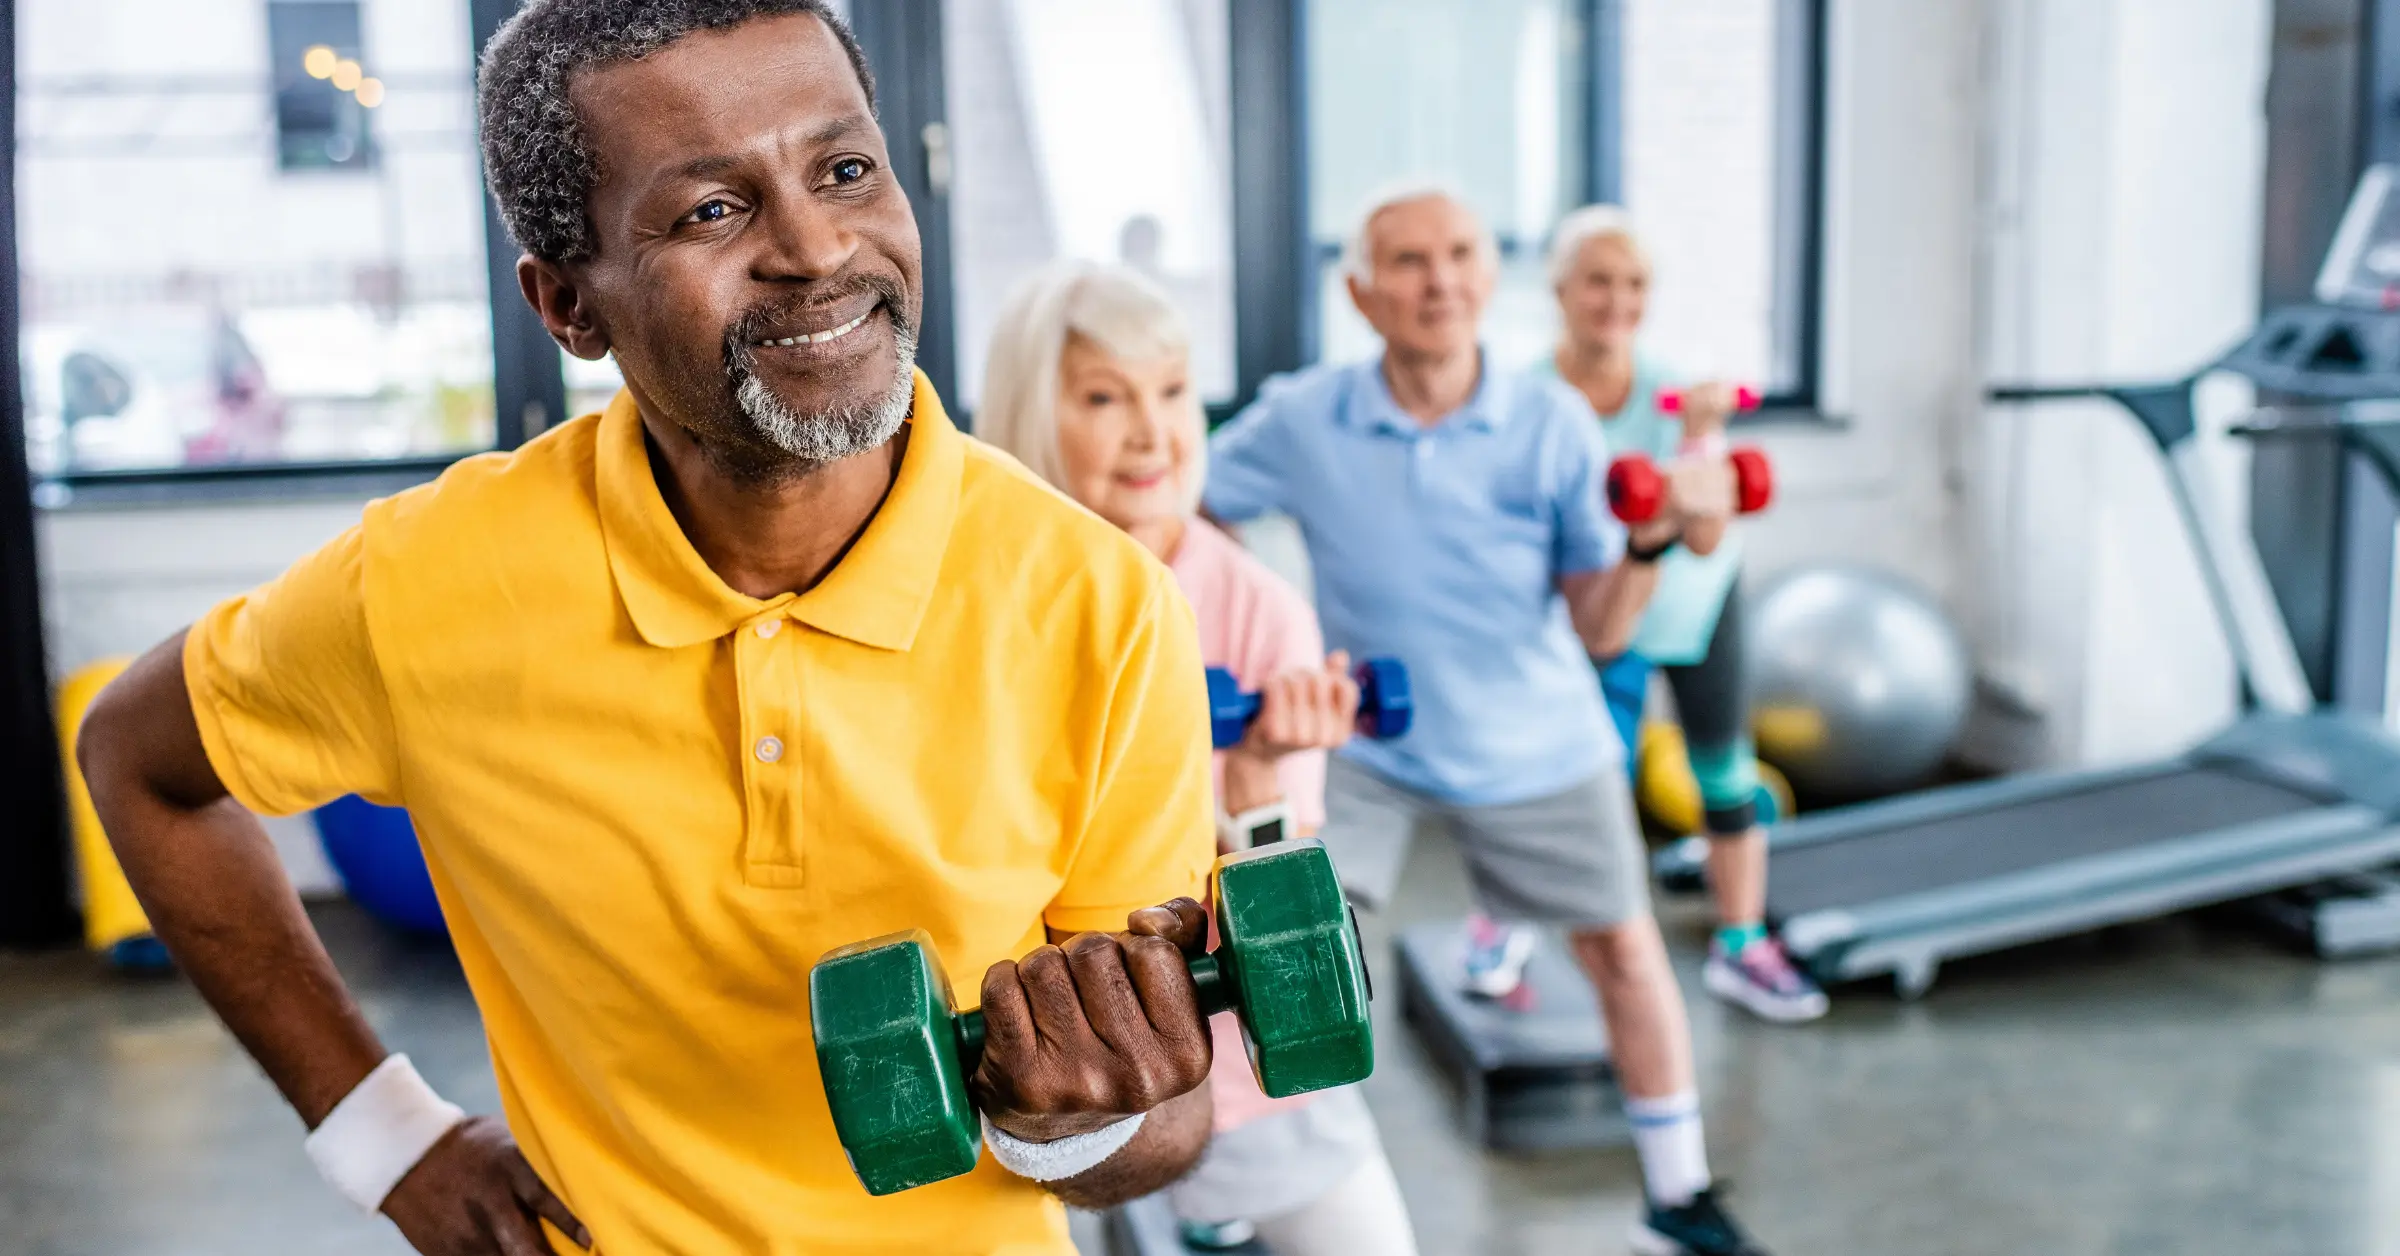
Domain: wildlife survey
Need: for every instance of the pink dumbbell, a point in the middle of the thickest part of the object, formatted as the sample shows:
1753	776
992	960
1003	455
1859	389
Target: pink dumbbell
1745	398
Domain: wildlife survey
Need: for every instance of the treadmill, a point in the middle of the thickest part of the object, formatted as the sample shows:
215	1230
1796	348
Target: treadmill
2290	796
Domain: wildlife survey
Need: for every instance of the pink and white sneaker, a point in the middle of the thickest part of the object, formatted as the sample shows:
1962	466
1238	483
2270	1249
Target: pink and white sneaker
1764	980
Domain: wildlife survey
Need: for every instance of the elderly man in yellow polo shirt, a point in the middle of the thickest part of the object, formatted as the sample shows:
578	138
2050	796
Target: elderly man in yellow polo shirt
765	659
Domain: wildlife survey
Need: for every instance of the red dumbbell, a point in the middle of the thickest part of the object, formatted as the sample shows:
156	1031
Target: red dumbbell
1637	489
1745	399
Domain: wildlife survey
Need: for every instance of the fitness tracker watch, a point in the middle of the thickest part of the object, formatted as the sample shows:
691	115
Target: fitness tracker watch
1636	554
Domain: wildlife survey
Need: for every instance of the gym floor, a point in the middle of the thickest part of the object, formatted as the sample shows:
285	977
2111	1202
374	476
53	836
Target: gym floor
2182	1087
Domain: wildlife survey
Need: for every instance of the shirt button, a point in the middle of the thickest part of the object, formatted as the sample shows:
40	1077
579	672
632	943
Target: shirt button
769	749
769	627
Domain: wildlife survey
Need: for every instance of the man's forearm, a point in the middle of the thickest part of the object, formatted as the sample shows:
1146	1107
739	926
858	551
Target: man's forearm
1169	1144
216	892
1606	606
217	896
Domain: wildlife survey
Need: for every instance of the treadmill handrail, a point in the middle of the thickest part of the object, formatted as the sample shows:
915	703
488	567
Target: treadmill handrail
2230	567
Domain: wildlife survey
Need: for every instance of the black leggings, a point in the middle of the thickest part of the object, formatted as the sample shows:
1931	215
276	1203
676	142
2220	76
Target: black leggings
1714	709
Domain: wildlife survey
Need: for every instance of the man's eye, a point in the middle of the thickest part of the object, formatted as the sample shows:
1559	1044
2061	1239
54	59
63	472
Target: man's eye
851	169
710	211
1099	399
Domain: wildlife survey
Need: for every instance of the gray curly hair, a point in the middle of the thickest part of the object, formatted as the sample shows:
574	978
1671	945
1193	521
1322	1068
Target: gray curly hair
535	154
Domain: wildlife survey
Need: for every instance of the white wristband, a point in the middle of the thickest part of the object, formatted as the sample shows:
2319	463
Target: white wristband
379	1131
1063	1159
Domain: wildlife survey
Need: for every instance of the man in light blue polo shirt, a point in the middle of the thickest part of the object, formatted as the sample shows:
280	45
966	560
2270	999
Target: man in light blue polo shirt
1455	518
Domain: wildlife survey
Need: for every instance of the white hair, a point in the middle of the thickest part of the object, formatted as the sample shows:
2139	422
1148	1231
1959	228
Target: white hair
1592	222
1114	307
1358	253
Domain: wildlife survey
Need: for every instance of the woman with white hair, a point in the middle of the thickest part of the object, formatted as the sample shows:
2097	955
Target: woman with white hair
1692	628
1089	385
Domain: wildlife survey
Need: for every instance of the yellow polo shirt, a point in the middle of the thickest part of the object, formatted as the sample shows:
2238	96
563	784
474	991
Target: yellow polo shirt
650	803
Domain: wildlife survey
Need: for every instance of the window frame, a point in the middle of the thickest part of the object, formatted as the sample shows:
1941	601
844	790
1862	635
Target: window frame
528	385
36	904
1269	53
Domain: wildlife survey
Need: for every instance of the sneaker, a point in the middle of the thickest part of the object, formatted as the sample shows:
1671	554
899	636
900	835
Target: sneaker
1699	1228
1763	979
1495	957
1218	1236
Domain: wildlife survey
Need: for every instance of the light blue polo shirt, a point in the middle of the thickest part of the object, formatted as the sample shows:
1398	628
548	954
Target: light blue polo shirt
1682	614
1442	546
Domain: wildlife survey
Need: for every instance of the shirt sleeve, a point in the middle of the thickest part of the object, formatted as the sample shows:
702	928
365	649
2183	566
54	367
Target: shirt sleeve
1587	536
1247	463
284	685
1150	835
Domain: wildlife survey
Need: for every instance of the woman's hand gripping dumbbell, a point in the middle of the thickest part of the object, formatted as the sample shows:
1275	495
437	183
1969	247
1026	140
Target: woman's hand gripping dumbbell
1075	1039
1376	690
1640	491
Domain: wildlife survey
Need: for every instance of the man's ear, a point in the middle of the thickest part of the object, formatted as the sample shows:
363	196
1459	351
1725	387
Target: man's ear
553	294
1358	295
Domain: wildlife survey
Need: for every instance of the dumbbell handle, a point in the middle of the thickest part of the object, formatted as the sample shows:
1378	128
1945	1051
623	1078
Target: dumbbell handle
1637	489
1209	987
1745	398
1385	706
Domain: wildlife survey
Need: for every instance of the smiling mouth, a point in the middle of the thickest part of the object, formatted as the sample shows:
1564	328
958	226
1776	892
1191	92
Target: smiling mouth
820	337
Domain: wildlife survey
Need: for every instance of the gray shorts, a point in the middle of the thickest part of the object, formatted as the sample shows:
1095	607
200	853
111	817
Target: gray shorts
1279	1162
1573	858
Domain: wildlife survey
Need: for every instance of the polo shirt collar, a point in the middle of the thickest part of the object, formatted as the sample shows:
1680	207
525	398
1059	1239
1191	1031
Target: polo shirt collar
876	595
1486	409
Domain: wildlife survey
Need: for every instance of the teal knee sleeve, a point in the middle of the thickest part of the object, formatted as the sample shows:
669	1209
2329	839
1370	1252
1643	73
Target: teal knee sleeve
1728	774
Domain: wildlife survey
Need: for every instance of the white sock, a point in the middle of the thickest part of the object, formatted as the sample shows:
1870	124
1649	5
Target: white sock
1666	1135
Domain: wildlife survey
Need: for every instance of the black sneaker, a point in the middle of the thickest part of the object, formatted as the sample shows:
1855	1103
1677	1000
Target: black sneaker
1699	1228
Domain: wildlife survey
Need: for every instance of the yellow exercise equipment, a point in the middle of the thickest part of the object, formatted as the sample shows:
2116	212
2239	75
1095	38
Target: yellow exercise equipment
110	912
1670	794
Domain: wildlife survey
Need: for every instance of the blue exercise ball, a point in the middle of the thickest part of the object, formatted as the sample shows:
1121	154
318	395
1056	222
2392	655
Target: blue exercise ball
374	850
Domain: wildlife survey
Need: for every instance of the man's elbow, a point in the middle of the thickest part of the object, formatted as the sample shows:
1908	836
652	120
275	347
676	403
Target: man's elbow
103	737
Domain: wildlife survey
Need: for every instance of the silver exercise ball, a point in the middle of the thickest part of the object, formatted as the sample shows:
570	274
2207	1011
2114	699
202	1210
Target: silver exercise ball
1858	683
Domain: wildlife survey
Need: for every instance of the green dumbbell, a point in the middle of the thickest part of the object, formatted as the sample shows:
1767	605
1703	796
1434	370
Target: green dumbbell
896	1053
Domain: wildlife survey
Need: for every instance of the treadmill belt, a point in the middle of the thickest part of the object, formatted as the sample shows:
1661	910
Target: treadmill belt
1882	863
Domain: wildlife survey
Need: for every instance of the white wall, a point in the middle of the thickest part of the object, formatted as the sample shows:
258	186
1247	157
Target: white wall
2125	166
1898	366
117	582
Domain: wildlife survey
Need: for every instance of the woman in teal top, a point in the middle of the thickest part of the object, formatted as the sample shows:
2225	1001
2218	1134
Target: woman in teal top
1692	630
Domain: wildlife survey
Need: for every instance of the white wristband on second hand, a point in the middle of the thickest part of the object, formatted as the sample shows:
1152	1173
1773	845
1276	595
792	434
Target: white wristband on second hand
1259	826
1063	1159
379	1131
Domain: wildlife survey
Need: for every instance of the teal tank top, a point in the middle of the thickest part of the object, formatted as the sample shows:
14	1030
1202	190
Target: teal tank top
1691	588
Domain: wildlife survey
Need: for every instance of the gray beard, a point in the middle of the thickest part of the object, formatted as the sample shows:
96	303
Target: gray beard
814	440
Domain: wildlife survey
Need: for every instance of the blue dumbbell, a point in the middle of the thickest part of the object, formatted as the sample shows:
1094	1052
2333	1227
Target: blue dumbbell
1384	705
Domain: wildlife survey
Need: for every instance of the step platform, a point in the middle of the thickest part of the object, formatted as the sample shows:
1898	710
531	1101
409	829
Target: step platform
1147	1227
2347	916
1532	1072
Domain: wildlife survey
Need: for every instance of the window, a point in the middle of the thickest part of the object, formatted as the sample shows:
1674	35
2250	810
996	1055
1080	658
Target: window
249	234
322	91
1719	105
1091	129
1483	97
1700	117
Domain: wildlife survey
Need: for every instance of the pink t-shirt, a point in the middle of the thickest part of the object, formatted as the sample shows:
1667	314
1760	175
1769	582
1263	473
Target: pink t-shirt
1255	625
